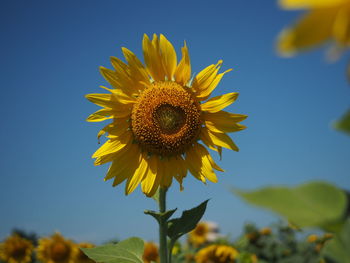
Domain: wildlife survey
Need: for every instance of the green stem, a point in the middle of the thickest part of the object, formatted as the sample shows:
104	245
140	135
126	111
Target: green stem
163	227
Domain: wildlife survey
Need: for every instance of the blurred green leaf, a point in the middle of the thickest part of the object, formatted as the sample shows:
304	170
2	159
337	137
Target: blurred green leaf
314	204
344	123
338	248
126	251
187	222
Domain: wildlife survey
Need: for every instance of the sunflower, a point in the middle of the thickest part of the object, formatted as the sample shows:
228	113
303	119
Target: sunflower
81	257
158	116
150	253
204	232
217	254
56	249
16	249
325	20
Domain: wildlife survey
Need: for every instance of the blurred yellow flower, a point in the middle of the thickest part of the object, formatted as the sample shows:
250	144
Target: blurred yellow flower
16	249
158	114
265	231
325	20
150	253
312	238
81	257
204	232
56	249
217	254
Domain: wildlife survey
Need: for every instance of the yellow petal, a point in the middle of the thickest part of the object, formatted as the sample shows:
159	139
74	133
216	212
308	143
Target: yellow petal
115	129
152	58
112	146
179	165
168	56
111	77
341	29
205	77
208	164
298	4
103	100
220	102
124	164
112	156
150	177
204	136
223	121
183	70
137	70
168	173
136	178
100	115
201	164
194	164
206	91
121	97
312	29
223	140
107	113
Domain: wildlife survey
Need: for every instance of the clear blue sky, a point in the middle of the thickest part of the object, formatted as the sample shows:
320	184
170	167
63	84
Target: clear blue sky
50	54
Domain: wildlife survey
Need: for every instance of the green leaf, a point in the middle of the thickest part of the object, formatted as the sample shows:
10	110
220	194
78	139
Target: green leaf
126	251
344	123
166	215
338	248
314	204
187	222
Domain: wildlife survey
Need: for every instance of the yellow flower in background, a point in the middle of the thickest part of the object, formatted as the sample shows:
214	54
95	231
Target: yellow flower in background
56	249
325	20
158	114
312	238
265	231
16	249
217	254
204	232
150	253
81	257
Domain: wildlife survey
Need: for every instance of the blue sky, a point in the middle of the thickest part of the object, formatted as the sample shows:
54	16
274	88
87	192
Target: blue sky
50	54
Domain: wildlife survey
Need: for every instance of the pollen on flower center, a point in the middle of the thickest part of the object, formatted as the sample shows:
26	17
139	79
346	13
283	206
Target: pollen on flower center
169	118
60	251
166	119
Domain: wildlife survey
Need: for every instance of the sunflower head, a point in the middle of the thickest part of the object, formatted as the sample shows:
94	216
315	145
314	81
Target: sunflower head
203	233
159	115
16	249
217	254
56	249
150	253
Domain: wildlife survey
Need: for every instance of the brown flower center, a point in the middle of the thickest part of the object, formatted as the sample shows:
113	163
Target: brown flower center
19	251
166	119
60	252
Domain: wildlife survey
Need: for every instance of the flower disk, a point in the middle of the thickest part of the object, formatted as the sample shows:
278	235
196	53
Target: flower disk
166	119
16	249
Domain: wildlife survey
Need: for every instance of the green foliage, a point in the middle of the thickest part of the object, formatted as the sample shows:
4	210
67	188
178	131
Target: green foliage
338	249
344	123
187	222
314	204
280	246
126	251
